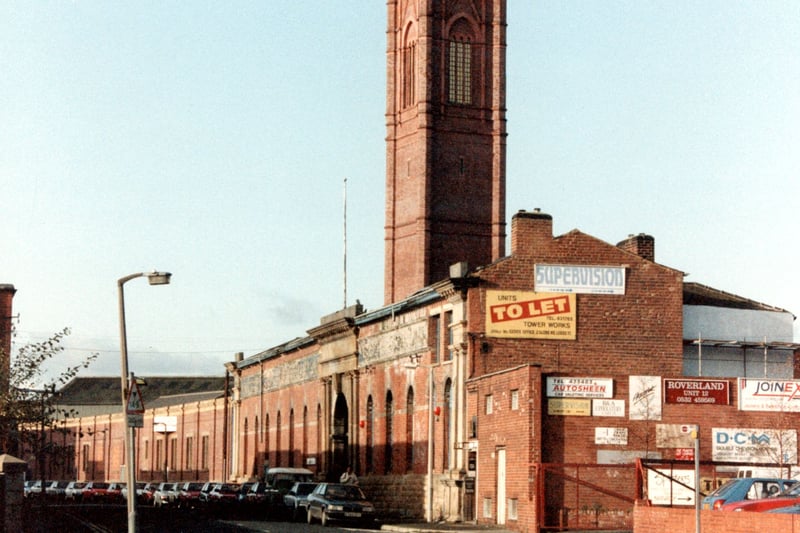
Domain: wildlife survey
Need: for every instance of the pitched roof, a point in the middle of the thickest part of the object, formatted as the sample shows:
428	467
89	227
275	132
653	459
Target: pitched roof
106	390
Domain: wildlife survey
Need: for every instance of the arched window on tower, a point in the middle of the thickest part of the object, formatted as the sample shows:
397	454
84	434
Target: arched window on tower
459	64
408	68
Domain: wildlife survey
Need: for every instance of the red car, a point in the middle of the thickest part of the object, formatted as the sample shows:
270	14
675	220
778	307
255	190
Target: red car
95	492
784	499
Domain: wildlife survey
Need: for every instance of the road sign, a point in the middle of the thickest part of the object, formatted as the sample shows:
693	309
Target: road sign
135	405
135	421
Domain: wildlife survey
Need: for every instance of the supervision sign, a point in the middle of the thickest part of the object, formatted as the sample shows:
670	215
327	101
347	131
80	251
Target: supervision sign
579	279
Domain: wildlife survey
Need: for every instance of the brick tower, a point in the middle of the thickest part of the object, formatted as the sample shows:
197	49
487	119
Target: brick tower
445	141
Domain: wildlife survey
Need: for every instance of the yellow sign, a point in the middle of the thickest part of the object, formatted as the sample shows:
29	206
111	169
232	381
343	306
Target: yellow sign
569	407
530	315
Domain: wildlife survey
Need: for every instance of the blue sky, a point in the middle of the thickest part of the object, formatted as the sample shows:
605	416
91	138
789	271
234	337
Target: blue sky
213	139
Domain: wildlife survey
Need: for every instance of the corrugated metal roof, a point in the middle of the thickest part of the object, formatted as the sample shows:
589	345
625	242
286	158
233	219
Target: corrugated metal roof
698	294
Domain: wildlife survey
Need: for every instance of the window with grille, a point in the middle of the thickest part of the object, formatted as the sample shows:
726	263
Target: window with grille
459	71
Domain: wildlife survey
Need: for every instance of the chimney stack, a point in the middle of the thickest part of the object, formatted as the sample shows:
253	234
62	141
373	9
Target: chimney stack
6	315
530	231
642	245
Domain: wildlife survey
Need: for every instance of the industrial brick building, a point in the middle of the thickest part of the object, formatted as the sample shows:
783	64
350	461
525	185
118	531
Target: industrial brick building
506	388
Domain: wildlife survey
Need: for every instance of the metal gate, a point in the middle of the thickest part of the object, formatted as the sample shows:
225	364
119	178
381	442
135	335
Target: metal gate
585	496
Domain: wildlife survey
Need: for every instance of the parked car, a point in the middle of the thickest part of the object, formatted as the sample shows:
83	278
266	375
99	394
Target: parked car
296	500
206	488
165	494
791	496
745	488
74	490
140	485
95	492
223	494
56	490
34	487
337	502
115	492
145	496
189	494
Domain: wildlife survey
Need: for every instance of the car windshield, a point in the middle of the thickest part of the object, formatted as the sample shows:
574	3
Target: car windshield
304	488
726	488
791	492
344	492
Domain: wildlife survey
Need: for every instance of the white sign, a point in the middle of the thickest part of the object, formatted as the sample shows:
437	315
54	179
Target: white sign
569	387
782	395
579	279
135	421
611	436
670	487
645	397
165	424
750	445
602	407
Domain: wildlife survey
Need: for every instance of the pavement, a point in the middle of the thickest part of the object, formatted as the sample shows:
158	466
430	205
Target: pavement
438	527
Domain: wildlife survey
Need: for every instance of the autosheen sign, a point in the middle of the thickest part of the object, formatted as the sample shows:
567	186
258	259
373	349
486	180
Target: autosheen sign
579	279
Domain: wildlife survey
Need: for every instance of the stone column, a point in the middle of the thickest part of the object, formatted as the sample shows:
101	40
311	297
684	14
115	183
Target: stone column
13	478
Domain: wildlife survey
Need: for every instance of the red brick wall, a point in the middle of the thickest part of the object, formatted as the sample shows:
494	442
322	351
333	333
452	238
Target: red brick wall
514	430
640	330
661	519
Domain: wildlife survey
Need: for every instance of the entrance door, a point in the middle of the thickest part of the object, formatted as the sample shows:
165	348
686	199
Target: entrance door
501	486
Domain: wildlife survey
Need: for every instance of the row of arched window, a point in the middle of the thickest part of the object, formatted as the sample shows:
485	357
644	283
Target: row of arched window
268	443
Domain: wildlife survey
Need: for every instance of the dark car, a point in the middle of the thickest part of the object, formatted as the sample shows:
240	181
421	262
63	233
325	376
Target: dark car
223	494
296	500
337	502
189	494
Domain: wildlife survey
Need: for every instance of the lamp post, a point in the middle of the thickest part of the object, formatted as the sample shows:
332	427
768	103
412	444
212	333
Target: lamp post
154	278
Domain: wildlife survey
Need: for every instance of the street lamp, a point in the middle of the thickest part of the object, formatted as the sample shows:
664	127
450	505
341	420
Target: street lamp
154	278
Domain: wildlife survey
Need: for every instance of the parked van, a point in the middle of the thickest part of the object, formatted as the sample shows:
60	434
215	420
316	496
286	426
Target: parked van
278	481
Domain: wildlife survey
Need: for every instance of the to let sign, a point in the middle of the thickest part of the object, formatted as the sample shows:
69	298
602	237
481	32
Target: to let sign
697	391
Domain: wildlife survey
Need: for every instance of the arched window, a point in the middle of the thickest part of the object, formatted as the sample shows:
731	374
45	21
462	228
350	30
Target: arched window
447	424
408	78
387	456
319	432
459	64
410	430
266	437
304	453
278	444
291	438
370	435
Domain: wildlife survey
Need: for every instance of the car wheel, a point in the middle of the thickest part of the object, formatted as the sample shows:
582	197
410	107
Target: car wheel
324	519
309	518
